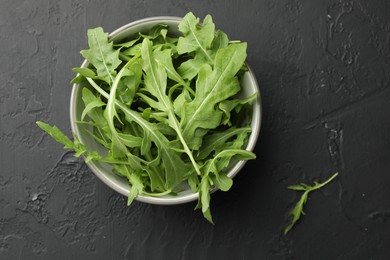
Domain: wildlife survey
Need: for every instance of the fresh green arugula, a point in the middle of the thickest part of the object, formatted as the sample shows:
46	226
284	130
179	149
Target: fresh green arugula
297	211
166	108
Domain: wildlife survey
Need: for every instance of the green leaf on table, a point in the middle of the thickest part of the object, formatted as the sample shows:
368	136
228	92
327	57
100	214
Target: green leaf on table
297	211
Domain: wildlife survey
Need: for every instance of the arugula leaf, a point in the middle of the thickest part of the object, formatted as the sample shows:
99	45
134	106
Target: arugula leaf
134	50
137	185
92	103
102	54
204	198
94	112
164	57
190	68
128	44
60	137
228	105
217	141
220	41
196	39
213	86
159	30
128	85
297	211
213	166
117	146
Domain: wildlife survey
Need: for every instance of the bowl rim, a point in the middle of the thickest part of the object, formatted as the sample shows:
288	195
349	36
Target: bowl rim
257	116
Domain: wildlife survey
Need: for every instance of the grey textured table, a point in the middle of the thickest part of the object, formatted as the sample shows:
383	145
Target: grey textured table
324	73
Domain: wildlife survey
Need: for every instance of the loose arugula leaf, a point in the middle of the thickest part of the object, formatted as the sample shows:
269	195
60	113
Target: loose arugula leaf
297	211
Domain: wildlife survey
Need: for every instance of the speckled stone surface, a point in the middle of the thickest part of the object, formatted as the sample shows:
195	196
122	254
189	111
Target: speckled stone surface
324	72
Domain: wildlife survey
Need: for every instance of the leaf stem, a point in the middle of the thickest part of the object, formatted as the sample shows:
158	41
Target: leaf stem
324	183
183	142
147	56
111	103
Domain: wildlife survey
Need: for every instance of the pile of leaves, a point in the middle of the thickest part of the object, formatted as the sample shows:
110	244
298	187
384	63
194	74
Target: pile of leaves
166	108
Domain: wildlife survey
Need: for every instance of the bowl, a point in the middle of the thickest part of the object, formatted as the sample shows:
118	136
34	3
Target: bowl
103	171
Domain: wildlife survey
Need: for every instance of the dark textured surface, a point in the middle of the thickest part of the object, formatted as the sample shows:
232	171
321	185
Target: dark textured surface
324	72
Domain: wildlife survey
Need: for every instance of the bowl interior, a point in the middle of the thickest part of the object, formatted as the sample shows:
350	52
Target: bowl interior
104	171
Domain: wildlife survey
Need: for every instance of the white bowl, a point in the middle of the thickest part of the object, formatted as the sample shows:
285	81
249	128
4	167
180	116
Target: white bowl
103	171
